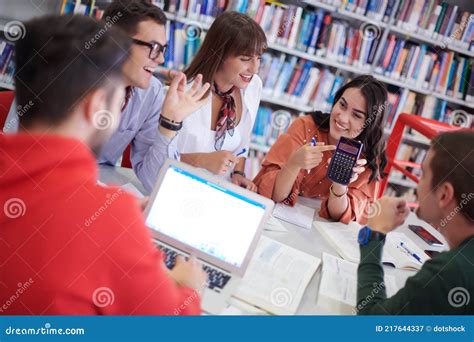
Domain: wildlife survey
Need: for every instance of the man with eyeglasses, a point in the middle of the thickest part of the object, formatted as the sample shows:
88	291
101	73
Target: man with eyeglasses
149	121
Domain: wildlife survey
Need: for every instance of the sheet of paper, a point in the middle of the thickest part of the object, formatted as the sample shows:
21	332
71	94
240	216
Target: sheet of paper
299	215
274	225
277	277
339	280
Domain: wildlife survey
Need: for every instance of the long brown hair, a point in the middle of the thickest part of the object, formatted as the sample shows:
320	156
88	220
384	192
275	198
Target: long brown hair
375	94
231	34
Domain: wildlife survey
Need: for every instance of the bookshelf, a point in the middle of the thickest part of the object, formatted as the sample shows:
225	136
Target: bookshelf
385	25
341	66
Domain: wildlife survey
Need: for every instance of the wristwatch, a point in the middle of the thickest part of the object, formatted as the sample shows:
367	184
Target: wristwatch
366	235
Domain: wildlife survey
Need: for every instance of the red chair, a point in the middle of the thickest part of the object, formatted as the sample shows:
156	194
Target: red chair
6	99
126	158
428	127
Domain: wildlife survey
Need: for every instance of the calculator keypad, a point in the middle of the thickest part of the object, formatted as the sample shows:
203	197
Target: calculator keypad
341	167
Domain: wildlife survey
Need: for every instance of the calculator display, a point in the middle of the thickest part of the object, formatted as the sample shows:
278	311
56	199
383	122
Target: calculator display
343	161
348	148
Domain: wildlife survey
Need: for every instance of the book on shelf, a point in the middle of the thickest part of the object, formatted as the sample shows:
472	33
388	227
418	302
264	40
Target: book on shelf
183	42
7	63
298	81
427	106
83	7
437	20
310	31
269	125
423	67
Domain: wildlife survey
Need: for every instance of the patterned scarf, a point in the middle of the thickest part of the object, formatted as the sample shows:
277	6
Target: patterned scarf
226	117
129	91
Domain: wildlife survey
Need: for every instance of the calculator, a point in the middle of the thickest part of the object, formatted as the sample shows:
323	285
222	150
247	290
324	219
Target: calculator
344	159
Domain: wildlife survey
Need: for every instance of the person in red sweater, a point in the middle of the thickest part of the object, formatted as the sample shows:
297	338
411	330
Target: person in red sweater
68	245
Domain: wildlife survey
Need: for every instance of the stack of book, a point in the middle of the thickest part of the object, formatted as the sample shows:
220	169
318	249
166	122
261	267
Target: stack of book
7	64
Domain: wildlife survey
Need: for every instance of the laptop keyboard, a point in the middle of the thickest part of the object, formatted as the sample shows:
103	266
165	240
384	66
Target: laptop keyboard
216	278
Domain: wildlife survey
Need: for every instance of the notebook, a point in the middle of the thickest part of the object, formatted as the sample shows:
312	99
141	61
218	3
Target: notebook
344	239
277	277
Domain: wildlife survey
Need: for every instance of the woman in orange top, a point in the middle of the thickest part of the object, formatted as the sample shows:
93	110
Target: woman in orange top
293	167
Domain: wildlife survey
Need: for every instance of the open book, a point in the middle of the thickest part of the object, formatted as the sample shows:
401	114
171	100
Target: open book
277	277
338	287
399	250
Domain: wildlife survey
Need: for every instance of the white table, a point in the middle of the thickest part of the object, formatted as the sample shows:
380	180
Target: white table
308	241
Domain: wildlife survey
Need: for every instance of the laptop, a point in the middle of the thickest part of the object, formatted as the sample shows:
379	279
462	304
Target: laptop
194	212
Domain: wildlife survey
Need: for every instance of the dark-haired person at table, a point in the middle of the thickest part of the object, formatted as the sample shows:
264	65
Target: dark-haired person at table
139	123
217	136
445	284
293	167
143	123
82	248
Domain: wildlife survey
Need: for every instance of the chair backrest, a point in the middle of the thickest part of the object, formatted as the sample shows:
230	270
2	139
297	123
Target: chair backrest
6	99
427	127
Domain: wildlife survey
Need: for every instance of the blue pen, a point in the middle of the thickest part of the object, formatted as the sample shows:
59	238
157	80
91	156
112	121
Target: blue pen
411	253
241	152
313	143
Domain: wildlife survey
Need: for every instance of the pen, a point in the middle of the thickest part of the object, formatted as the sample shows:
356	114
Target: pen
410	252
241	152
313	143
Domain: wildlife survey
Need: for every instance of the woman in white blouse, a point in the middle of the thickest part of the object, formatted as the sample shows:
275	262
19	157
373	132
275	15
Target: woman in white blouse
217	136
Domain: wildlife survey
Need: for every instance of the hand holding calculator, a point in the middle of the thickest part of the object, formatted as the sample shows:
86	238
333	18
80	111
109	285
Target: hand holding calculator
345	158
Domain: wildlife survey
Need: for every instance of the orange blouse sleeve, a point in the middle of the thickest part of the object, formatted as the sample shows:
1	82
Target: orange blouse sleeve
278	155
360	195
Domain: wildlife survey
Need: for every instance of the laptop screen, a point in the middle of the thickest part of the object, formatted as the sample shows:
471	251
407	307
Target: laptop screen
204	215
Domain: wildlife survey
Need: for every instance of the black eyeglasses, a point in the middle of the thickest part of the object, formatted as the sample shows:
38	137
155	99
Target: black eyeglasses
155	48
